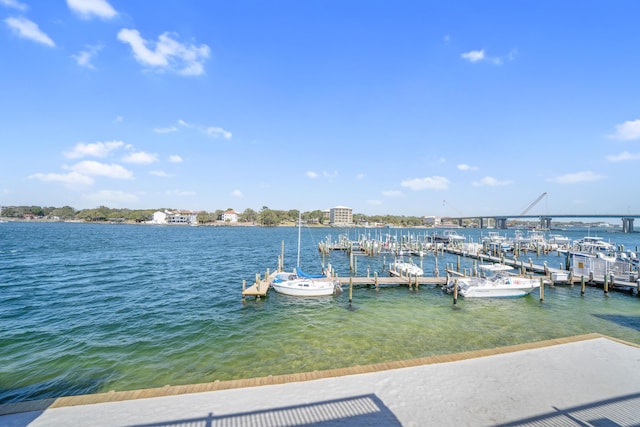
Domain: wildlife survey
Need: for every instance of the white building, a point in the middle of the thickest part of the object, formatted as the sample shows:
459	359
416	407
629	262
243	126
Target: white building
229	216
175	217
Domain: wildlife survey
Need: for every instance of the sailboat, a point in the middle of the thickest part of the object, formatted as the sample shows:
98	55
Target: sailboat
298	283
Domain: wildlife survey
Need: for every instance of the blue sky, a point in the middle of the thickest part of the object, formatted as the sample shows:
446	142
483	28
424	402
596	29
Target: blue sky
385	107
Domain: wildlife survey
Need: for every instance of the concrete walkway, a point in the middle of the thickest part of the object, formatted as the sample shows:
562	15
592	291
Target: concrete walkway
588	380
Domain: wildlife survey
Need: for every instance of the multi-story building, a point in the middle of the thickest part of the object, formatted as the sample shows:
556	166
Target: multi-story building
341	216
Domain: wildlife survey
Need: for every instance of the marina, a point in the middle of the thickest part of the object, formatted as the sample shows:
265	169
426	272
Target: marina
90	308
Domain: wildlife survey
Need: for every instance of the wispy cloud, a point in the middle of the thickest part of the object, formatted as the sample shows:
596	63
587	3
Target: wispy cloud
140	157
29	30
96	149
627	131
161	174
481	56
88	9
237	193
14	4
428	183
175	159
93	168
311	174
624	156
168	54
217	132
72	178
489	181
473	55
578	177
166	130
465	167
84	57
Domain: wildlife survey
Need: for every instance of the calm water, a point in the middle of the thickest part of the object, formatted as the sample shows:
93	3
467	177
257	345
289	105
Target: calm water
90	308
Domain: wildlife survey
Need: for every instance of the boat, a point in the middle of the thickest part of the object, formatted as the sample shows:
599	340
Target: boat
498	285
401	268
300	284
448	236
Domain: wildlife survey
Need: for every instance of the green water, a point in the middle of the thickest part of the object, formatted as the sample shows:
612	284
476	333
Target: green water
93	308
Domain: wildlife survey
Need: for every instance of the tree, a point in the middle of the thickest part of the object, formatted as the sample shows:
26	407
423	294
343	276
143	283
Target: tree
249	215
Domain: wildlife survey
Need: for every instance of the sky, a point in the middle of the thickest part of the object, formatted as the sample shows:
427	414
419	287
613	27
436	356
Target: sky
412	108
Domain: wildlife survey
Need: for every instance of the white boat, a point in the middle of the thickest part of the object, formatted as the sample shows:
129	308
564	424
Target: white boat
498	285
299	284
404	268
448	236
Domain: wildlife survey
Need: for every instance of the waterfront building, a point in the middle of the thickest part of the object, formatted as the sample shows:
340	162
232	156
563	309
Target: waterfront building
341	216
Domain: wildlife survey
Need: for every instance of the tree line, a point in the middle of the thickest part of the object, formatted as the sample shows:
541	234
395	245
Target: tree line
265	216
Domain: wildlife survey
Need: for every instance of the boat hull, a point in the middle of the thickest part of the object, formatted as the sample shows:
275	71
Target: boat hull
511	287
304	287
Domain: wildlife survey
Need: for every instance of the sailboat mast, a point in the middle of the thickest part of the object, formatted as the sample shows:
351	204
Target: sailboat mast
299	230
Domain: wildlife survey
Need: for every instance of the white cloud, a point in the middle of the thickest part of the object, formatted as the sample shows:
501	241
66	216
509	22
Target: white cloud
14	4
166	130
89	8
479	55
237	193
161	174
91	167
428	183
112	198
96	149
140	157
29	30
218	132
168	54
465	167
183	123
311	174
574	178
67	178
490	181
84	57
392	193
330	175
473	55
627	131
624	156
175	159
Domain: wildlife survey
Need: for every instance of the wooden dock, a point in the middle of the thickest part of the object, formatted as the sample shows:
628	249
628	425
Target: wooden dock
261	286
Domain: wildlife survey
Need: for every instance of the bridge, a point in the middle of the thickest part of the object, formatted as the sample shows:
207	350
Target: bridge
545	220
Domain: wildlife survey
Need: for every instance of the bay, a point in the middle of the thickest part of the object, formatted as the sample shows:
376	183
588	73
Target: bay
88	308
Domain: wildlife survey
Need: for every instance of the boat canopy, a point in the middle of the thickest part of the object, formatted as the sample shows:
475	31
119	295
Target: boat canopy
301	273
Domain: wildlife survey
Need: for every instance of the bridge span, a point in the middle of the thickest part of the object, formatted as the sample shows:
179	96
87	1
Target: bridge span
545	220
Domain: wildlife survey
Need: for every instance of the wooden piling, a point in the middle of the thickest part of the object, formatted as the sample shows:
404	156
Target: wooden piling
606	285
541	289
350	291
375	275
455	291
582	285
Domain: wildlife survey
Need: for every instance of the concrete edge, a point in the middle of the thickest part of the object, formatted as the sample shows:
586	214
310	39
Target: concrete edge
117	396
